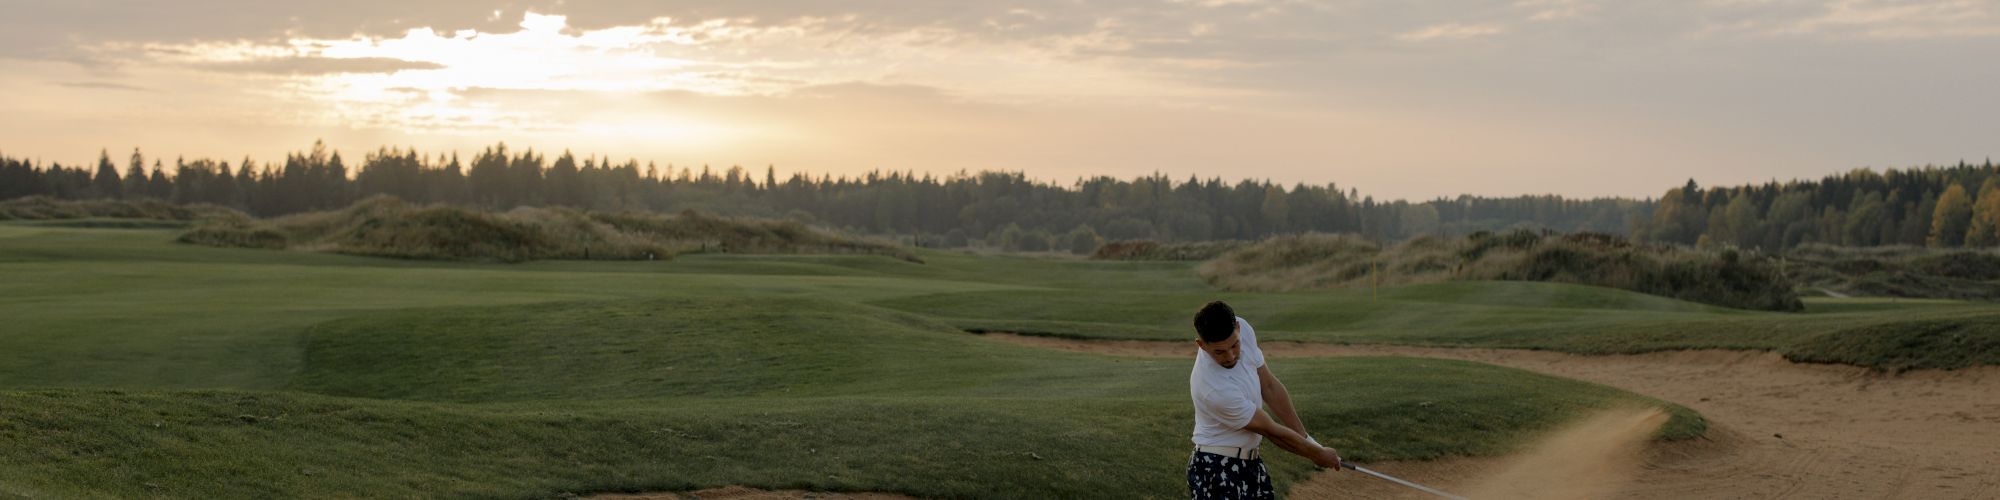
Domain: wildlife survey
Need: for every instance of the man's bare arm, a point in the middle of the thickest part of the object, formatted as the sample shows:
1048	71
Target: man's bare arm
1280	400
1292	441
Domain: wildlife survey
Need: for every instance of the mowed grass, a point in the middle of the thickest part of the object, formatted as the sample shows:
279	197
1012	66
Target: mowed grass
676	394
1879	333
134	367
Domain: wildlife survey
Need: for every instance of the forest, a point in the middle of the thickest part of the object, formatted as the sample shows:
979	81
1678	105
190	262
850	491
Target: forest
1937	206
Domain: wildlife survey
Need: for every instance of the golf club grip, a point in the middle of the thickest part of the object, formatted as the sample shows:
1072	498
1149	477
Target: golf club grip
1348	465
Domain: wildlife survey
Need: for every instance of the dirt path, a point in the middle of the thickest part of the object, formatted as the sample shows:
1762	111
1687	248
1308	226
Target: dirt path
1777	429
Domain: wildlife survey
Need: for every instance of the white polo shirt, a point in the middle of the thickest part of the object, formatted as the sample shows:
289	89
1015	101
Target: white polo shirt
1225	399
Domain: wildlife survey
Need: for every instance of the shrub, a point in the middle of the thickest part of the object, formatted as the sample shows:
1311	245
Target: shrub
1083	240
1153	250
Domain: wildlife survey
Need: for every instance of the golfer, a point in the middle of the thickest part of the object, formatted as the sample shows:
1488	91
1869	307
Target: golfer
1230	386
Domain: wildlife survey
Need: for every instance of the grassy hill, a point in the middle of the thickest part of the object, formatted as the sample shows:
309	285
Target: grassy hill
1726	278
135	366
133	211
1898	271
387	227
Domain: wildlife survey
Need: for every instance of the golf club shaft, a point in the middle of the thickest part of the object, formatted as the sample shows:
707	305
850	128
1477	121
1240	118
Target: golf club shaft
1392	479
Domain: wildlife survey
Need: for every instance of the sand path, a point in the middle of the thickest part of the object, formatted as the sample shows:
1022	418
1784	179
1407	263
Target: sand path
1777	429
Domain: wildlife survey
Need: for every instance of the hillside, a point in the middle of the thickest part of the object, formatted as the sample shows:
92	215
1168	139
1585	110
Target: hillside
1313	261
387	227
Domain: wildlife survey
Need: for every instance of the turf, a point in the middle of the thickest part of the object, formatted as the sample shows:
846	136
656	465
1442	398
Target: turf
1520	315
131	366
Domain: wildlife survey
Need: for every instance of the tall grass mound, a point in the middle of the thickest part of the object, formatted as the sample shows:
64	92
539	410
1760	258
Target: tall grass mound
1154	250
46	208
388	227
1319	261
1898	271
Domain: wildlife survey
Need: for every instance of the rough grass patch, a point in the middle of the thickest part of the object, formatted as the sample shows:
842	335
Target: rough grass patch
387	227
46	208
1318	261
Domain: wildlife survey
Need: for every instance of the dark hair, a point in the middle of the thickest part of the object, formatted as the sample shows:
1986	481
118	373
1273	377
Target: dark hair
1215	322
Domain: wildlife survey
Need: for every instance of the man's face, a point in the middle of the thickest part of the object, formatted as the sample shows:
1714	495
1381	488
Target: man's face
1225	351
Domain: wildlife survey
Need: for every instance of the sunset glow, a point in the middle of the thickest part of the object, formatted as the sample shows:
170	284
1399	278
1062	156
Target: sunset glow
1576	96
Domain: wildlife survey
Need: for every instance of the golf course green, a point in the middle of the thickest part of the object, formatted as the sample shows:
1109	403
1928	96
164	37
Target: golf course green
133	366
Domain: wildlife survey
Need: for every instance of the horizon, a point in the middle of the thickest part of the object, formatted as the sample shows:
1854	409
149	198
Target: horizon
430	157
1575	98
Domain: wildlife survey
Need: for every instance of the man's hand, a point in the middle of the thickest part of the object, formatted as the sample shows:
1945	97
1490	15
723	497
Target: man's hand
1327	458
1328	450
1293	442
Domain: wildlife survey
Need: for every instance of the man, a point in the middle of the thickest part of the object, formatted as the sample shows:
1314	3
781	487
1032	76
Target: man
1230	386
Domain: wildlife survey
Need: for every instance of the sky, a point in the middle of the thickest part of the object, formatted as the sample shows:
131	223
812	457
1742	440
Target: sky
1400	99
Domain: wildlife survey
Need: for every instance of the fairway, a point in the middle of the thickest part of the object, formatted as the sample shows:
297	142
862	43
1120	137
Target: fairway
133	366
1872	332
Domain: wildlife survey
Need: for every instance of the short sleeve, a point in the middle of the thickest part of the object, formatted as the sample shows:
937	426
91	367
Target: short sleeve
1232	411
1253	354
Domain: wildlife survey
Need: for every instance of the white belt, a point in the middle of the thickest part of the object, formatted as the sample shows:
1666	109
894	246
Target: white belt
1229	451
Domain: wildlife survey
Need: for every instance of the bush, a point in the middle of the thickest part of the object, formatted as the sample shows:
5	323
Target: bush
1034	240
234	235
1010	237
1153	250
1083	240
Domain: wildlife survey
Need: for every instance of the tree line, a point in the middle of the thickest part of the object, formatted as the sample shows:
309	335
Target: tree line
1936	206
995	207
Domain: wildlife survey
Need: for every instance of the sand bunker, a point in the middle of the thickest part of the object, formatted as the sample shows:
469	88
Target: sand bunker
1777	429
1594	457
1590	459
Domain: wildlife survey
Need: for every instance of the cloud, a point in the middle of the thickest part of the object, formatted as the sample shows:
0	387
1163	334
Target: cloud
968	83
1219	3
1920	19
1555	10
321	65
371	79
1886	20
1450	31
103	86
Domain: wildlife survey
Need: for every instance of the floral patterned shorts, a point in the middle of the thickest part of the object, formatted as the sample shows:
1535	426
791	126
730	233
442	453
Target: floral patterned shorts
1216	476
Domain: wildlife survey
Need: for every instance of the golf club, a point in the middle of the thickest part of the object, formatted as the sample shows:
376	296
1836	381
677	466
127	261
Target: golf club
1392	479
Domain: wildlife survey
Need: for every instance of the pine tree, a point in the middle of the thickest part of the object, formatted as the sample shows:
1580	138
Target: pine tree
158	186
135	177
105	184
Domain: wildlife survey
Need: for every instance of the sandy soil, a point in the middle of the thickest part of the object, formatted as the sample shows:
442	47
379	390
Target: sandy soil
1777	429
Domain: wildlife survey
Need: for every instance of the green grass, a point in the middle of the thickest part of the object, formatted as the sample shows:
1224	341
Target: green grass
131	366
1519	315
670	394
